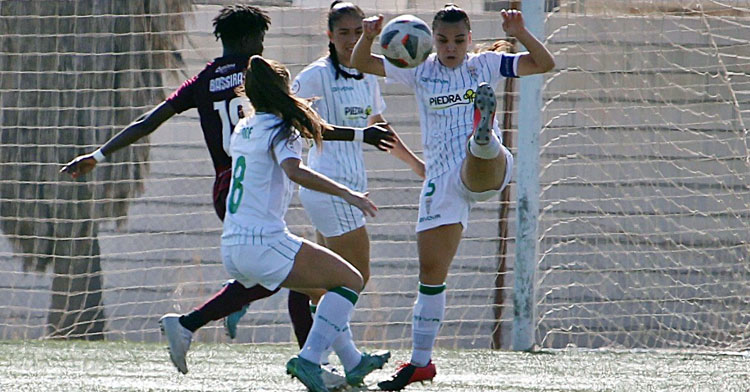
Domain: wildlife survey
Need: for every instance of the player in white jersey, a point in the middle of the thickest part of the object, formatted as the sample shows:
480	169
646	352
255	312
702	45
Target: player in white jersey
466	161
344	97
257	247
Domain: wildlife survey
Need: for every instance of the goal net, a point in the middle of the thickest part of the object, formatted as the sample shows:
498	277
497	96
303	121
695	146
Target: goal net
644	233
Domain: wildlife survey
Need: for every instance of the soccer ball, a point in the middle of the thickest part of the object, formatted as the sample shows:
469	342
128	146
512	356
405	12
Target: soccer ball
406	41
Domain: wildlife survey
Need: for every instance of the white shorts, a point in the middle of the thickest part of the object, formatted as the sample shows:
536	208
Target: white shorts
267	265
332	216
445	200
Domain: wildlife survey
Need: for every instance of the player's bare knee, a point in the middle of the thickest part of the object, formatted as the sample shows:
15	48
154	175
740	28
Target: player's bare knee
354	281
432	274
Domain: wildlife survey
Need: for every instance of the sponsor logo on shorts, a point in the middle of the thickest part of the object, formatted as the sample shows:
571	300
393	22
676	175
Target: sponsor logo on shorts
428	319
429	218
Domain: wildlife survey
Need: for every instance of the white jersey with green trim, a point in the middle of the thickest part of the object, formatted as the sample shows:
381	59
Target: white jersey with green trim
345	102
260	191
445	97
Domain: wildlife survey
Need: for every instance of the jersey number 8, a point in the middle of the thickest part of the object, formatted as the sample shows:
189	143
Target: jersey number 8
235	195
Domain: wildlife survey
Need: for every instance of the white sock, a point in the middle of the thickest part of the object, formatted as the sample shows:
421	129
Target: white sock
331	319
327	352
485	151
428	315
346	350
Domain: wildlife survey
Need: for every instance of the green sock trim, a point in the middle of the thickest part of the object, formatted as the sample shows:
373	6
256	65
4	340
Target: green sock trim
349	294
313	308
431	289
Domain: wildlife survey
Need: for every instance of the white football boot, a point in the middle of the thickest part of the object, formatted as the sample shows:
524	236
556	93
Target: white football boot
179	339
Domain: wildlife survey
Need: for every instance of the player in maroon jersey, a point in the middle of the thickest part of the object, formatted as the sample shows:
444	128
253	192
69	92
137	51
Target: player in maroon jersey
213	92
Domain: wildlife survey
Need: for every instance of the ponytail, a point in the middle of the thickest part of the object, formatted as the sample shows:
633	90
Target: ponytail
267	87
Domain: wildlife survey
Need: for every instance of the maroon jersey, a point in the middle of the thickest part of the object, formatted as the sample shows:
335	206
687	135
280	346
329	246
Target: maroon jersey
212	92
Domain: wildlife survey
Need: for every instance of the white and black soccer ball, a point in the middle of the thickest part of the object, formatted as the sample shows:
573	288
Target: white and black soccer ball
406	41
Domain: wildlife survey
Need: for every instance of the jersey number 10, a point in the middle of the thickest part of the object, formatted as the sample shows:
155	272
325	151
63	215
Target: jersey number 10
229	112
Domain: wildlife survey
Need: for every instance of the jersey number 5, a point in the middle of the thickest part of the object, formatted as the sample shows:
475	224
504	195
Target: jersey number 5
229	113
235	195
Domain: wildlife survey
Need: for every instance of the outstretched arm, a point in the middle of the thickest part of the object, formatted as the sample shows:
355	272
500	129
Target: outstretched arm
374	135
144	125
310	179
401	150
539	59
362	58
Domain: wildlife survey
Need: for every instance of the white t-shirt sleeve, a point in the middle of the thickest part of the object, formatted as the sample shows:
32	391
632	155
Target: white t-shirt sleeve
394	74
290	148
308	84
378	103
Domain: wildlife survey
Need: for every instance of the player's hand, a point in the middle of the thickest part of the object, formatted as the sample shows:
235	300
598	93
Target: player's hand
80	165
379	136
361	201
371	26
512	22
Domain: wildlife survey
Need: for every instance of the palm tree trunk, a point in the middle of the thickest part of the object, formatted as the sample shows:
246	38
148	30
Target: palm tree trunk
72	74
